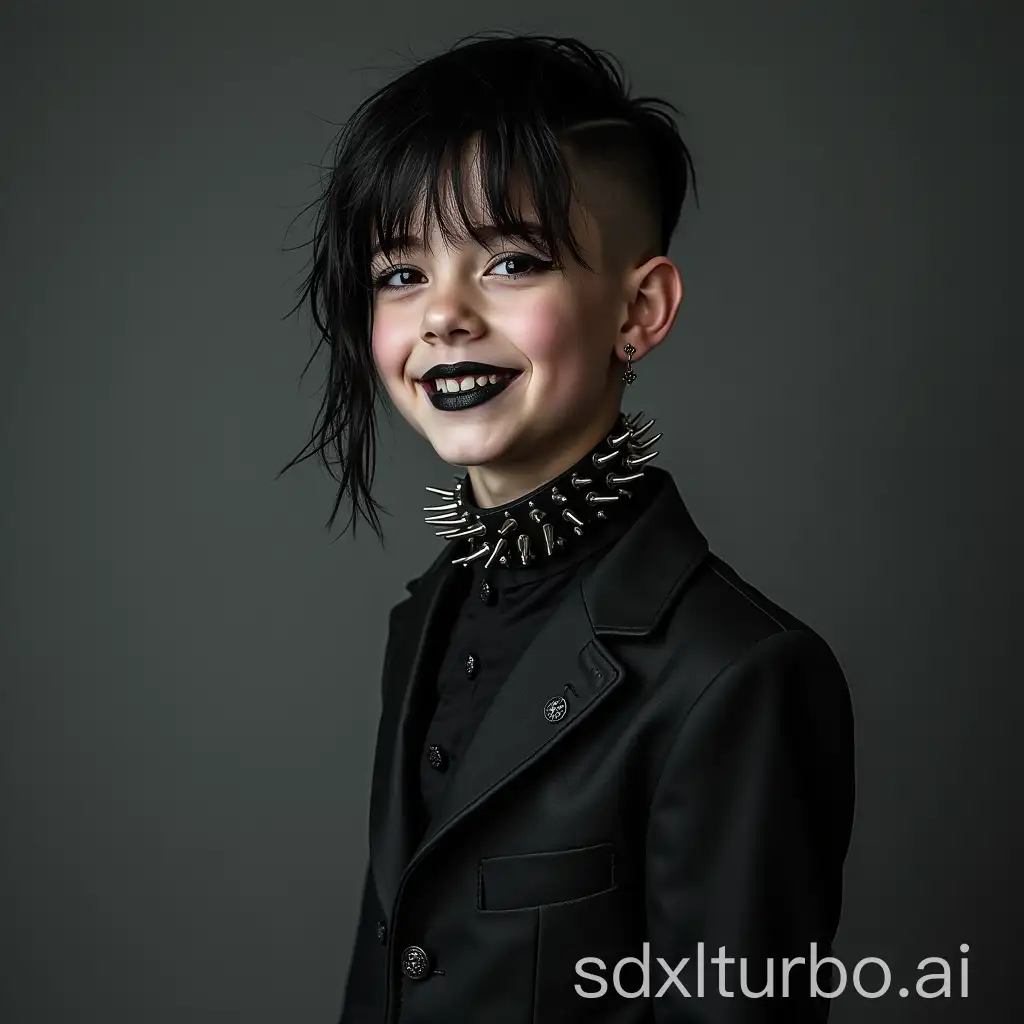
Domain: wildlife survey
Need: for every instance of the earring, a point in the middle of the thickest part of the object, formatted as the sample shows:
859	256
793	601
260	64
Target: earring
630	375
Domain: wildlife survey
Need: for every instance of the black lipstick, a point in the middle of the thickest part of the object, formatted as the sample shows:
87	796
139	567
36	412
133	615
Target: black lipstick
455	401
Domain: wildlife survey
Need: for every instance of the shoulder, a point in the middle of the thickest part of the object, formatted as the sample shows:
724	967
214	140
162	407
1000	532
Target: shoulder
728	618
729	644
427	577
750	686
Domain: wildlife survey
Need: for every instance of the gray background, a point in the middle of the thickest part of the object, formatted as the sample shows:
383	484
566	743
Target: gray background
190	666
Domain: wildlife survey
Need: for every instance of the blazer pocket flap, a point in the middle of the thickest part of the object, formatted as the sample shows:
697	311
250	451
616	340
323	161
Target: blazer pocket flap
525	880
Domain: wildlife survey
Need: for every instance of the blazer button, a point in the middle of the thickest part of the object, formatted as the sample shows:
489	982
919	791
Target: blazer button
415	963
437	758
485	592
472	664
382	932
555	709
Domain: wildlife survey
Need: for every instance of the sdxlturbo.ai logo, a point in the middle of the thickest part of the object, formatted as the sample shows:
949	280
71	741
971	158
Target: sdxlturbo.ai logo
928	986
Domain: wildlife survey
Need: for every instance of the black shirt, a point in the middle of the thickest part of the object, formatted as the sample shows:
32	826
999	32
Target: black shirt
492	617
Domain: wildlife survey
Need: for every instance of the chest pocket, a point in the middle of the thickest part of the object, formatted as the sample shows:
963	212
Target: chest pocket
528	880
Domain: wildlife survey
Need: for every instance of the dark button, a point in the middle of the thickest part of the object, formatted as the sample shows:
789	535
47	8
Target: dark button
382	932
472	664
437	758
415	963
486	594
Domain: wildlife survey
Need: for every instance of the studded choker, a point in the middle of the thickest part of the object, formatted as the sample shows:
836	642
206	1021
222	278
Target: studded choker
541	523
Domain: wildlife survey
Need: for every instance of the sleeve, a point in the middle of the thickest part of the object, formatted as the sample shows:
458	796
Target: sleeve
364	989
749	828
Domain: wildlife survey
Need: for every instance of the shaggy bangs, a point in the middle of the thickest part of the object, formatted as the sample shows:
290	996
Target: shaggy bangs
398	169
429	179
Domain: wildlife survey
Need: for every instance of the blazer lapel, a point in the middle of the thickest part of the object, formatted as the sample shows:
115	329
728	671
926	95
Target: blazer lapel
559	679
391	814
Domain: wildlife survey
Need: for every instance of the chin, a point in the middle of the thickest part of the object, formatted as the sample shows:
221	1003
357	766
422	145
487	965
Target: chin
467	447
464	455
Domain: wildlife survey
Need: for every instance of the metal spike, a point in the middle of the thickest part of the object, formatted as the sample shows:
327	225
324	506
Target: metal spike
508	526
473	531
557	495
640	431
638	460
569	516
602	460
440	508
549	537
498	548
639	446
479	553
537	514
444	533
441	491
634	418
577	531
615	440
593	498
581	481
617	479
446	519
523	543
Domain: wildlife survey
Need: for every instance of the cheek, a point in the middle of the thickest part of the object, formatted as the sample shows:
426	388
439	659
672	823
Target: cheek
543	326
390	345
561	334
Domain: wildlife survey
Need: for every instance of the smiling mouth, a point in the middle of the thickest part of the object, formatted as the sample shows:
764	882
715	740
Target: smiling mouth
455	387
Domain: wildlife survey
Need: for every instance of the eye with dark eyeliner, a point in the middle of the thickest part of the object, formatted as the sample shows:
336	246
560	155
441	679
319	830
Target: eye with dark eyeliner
380	280
532	265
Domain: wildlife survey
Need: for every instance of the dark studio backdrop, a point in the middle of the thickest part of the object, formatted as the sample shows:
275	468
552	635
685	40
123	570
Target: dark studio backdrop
189	671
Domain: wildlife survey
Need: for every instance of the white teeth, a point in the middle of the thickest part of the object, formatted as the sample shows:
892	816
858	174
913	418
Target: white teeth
452	384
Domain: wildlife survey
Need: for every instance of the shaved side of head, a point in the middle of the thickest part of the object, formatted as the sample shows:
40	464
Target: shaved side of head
617	185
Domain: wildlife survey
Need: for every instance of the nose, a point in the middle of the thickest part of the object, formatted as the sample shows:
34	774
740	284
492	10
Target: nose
448	317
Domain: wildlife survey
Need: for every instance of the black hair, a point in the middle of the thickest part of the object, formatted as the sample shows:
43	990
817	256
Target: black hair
521	97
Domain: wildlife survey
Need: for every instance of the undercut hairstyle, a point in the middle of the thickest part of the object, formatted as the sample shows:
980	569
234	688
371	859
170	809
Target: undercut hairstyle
522	99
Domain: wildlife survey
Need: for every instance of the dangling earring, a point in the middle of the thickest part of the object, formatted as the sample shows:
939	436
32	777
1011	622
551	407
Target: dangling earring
630	375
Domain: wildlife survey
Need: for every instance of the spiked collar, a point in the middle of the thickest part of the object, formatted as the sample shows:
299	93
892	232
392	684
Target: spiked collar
544	522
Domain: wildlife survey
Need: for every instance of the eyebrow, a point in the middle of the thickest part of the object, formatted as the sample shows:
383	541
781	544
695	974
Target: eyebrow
529	231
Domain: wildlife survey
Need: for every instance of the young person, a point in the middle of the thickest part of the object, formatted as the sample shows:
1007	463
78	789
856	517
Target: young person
596	739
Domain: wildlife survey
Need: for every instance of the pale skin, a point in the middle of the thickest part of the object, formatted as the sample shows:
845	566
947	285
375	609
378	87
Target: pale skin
565	329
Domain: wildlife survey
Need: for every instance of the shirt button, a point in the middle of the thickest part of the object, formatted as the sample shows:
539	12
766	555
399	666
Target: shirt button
472	664
382	932
437	758
415	963
485	592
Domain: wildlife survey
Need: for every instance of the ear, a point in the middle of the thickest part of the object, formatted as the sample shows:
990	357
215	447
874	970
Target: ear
656	290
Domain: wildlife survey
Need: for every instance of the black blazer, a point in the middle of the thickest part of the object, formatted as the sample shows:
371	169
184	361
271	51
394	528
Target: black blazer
669	763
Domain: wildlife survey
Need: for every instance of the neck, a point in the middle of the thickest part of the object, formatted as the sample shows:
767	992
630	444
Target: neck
498	485
542	521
